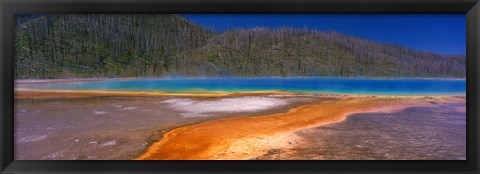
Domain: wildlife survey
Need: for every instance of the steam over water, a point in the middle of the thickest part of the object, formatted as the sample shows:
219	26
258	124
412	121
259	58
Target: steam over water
195	108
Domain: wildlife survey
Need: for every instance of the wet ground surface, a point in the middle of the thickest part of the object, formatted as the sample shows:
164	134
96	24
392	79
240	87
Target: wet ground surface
417	133
112	127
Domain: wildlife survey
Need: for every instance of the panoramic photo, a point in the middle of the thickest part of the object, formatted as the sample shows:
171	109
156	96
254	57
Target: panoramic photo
240	87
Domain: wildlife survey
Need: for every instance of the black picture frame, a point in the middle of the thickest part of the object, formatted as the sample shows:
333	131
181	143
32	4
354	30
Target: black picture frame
10	7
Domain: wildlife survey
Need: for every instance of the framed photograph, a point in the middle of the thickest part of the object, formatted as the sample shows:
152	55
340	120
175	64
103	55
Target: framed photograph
239	86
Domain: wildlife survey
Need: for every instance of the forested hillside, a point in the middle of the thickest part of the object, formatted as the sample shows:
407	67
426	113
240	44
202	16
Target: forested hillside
61	46
103	45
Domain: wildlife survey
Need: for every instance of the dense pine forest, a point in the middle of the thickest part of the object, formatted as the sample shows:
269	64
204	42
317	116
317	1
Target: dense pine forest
80	45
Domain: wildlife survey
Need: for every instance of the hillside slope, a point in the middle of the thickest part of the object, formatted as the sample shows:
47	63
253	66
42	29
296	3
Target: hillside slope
301	52
62	46
102	45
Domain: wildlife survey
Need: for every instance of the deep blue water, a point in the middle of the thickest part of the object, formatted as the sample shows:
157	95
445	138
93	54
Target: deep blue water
320	85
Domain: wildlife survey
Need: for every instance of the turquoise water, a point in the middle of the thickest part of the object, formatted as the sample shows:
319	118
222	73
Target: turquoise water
317	85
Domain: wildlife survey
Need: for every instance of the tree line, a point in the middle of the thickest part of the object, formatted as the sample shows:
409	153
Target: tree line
103	45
